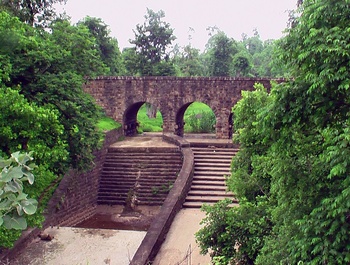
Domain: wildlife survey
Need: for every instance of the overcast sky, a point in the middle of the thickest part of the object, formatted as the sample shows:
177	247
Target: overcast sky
233	17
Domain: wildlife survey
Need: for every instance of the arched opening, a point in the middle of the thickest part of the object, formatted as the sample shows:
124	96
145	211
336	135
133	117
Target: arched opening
149	118
142	117
196	118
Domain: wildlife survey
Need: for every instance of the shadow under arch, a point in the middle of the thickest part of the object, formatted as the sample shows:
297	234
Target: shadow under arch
180	124
180	115
130	121
230	126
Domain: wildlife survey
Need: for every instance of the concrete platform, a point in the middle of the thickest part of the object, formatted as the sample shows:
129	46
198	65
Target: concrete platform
81	246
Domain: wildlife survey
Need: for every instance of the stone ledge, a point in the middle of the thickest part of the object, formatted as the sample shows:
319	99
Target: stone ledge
172	204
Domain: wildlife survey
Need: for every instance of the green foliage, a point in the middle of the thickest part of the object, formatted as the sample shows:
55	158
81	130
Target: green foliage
294	156
242	63
200	122
147	124
43	106
14	202
31	128
221	50
233	240
107	124
35	13
107	46
199	118
152	39
188	61
49	69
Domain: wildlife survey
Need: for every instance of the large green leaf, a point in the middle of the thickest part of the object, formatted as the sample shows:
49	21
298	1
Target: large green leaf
11	173
15	222
29	206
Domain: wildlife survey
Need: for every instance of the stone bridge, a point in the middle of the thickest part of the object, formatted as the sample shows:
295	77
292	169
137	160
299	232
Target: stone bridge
122	97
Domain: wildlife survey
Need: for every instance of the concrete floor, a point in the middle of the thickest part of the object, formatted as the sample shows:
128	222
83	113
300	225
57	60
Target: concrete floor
81	246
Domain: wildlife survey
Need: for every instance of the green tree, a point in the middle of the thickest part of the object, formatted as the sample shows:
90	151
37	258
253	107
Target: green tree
221	50
43	106
49	69
107	46
242	63
152	41
34	13
294	156
131	61
188	62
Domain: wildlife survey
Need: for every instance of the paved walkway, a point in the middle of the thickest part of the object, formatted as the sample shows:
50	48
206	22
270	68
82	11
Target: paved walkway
180	247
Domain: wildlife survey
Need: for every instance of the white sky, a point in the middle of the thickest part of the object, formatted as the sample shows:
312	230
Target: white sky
233	17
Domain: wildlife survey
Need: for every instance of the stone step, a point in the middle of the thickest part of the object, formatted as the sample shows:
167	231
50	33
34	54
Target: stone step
213	157
116	182
227	160
211	173
215	151
200	204
205	177
218	163
208	183
140	167
210	188
214	193
136	172
205	199
121	179
149	172
140	149
146	157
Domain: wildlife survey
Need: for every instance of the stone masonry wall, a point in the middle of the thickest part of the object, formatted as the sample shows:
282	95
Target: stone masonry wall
75	198
121	97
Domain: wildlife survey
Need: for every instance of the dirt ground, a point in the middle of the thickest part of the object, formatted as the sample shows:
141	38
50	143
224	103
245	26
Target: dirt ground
102	240
99	240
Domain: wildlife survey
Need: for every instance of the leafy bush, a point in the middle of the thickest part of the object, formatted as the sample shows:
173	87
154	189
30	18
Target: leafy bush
293	167
200	122
14	203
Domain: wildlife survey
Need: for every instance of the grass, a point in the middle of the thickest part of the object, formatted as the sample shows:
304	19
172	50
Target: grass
107	124
196	110
149	125
155	125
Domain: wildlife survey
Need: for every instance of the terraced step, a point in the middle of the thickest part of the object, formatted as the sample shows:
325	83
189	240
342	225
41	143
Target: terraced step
206	188
205	199
211	166
148	172
215	193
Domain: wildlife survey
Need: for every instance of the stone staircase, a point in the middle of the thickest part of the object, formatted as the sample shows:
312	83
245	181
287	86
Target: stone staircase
138	176
212	165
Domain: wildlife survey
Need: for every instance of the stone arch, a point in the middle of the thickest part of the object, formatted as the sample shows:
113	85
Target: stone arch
179	119
130	122
117	95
